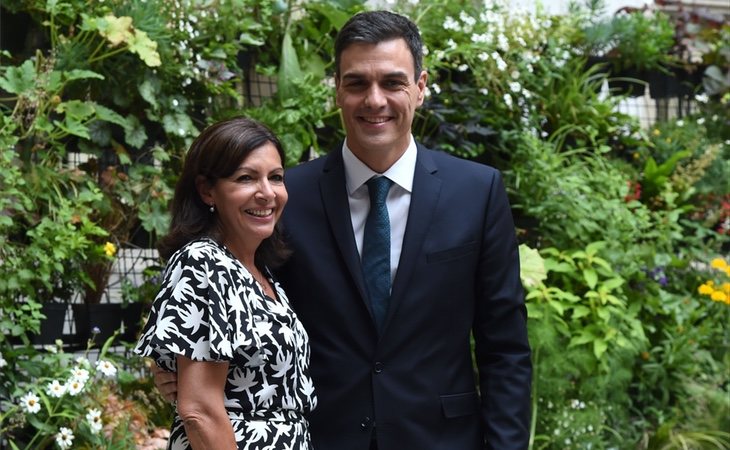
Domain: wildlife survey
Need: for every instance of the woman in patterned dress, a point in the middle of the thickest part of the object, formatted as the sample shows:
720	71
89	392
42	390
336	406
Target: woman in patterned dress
220	320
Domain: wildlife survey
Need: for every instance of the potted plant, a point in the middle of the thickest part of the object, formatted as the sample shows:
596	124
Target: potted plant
633	42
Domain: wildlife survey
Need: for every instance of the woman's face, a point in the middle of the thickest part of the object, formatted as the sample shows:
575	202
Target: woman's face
251	200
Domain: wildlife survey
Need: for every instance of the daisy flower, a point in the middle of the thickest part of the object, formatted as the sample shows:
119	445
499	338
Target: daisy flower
56	389
107	368
64	438
30	403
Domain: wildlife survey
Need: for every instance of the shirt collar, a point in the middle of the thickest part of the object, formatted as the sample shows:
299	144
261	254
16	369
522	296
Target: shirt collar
401	172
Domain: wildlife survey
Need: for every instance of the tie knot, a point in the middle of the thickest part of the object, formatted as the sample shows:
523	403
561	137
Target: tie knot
378	188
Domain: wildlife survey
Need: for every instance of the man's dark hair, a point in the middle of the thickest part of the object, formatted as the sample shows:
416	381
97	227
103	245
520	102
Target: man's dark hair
215	154
374	27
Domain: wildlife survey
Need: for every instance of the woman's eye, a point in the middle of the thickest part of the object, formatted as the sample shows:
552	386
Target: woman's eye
276	178
244	178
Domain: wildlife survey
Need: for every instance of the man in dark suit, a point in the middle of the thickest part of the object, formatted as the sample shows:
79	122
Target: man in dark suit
403	379
391	358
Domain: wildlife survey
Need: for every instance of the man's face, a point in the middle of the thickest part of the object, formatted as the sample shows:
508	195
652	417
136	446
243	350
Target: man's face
378	97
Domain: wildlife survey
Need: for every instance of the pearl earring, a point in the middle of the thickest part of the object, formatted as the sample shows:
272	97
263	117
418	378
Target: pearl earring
211	209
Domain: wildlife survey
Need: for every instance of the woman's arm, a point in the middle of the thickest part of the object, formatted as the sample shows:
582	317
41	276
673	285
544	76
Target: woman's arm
200	404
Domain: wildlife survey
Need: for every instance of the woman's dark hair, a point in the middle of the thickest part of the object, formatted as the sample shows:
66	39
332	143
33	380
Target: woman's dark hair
374	27
216	153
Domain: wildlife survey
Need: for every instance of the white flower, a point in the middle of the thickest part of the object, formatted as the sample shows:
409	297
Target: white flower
30	403
107	368
680	123
507	100
74	386
3	363
700	121
502	42
175	102
64	438
702	98
451	45
94	419
515	86
80	375
483	56
436	88
462	68
451	24
501	65
515	74
56	389
484	91
83	362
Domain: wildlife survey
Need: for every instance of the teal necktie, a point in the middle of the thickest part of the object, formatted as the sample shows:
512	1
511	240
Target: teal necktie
376	249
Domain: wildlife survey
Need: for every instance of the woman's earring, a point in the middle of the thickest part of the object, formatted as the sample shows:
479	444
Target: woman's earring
211	209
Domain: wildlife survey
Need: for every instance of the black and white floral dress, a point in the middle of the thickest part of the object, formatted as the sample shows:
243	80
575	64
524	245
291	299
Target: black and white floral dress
210	308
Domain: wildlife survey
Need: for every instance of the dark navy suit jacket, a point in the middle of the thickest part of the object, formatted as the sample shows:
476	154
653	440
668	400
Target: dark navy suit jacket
458	274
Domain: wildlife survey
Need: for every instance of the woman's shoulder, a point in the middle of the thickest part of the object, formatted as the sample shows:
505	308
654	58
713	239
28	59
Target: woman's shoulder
201	248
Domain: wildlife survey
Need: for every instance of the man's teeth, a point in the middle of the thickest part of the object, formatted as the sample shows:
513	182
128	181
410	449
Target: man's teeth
376	119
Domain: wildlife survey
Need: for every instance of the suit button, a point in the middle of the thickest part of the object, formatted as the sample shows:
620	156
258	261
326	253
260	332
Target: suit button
378	367
366	423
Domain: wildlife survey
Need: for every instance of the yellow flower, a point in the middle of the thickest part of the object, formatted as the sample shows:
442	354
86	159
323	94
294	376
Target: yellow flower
656	132
719	296
706	288
110	249
718	263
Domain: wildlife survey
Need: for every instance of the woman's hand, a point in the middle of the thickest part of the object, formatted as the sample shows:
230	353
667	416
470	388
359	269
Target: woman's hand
165	382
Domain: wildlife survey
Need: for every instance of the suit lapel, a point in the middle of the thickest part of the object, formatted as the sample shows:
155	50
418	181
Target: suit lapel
337	208
424	198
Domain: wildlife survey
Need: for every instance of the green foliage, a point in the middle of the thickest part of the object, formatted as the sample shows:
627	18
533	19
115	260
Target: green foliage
52	393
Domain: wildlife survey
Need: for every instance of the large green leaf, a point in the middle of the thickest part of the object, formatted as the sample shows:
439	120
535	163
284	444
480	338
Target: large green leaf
289	71
18	80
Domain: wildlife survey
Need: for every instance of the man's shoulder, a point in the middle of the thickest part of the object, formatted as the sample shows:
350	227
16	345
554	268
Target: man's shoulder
448	163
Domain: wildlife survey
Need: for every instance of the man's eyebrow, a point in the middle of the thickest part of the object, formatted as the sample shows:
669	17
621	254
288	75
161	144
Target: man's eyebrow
358	75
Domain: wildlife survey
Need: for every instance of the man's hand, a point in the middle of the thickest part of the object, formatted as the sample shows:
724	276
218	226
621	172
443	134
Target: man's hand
166	383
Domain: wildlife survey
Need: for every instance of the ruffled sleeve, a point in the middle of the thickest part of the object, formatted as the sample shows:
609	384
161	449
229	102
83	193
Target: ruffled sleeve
201	311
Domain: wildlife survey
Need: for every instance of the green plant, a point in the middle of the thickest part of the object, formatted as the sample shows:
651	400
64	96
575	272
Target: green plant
63	399
633	39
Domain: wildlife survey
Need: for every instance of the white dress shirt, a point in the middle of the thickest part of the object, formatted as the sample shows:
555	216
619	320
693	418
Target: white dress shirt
398	201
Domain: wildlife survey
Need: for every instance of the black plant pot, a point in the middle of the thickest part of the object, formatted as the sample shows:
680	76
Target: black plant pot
628	83
674	82
52	325
101	320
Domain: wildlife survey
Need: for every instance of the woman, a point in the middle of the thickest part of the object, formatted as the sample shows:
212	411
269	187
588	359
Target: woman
220	320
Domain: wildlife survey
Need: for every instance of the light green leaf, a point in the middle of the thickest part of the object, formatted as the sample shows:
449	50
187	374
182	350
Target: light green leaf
72	126
289	70
78	74
145	47
108	115
591	277
532	266
18	80
580	311
116	29
76	109
149	89
599	348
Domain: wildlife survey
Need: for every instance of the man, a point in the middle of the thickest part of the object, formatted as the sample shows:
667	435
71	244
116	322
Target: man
392	366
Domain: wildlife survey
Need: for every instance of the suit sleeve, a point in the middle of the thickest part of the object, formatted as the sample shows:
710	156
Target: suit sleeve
500	329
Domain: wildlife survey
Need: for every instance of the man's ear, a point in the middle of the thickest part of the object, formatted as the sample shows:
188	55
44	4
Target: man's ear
204	190
421	84
337	91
